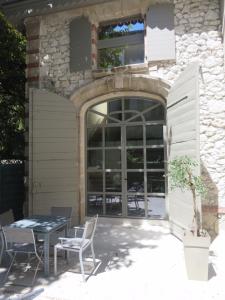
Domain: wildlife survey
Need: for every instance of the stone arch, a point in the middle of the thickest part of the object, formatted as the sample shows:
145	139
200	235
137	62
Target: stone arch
120	83
109	88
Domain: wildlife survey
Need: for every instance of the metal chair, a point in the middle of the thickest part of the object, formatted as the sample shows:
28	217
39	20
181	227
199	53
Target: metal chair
78	244
20	241
5	219
63	211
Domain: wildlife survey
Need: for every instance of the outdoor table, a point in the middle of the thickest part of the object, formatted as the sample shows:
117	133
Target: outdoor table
44	225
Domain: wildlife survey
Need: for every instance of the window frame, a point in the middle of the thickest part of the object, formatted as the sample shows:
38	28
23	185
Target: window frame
121	41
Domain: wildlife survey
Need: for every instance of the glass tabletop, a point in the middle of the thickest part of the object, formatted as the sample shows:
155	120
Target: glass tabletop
41	223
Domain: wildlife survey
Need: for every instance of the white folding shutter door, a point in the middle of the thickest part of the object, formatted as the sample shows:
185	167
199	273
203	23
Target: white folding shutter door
183	139
53	153
160	36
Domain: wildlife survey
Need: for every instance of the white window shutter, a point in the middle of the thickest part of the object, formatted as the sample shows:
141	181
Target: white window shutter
183	139
53	152
160	36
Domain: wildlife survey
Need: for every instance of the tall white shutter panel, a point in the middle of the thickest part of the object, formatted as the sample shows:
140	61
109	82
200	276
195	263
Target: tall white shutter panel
53	152
160	36
183	139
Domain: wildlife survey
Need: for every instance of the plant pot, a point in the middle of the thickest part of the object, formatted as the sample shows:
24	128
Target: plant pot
196	253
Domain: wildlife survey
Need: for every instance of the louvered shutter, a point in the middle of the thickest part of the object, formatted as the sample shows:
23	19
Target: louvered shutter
160	36
183	139
53	152
80	44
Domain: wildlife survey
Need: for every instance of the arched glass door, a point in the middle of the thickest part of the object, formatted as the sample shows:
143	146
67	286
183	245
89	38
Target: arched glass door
125	166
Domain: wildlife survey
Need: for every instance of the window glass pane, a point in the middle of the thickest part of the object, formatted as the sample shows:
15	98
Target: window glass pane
156	207
102	108
136	206
117	116
110	57
135	159
113	182
137	119
95	182
94	119
134	135
129	115
155	158
113	159
113	205
154	135
115	105
94	159
94	137
156	114
134	54
112	136
95	205
135	182
156	182
138	104
121	28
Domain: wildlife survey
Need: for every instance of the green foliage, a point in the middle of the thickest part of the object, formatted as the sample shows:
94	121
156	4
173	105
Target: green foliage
181	172
182	175
110	57
12	90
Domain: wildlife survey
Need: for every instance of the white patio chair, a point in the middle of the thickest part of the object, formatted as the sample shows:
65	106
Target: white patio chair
20	241
78	244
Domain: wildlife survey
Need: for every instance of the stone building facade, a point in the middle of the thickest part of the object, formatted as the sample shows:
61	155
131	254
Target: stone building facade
198	26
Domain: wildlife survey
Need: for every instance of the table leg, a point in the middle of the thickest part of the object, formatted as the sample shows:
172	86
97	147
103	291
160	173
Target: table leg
46	254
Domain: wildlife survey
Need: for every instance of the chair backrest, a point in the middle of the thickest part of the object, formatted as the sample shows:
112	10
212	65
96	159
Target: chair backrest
18	236
64	211
89	228
6	218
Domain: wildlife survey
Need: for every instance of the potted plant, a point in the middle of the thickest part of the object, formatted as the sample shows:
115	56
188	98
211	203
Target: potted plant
196	240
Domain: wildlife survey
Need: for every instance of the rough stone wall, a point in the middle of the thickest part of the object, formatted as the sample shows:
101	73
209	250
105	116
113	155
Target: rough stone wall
198	37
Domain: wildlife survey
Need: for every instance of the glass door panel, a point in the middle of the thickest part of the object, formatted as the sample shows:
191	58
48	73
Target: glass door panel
155	158
134	135
154	135
113	205
113	159
94	137
136	206
135	182
156	207
155	182
94	159
112	136
125	159
135	159
113	182
95	182
95	204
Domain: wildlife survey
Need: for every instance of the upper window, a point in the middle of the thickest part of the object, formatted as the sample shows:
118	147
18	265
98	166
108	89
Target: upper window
121	43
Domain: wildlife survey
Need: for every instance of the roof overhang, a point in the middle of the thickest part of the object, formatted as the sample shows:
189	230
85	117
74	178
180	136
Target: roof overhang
16	10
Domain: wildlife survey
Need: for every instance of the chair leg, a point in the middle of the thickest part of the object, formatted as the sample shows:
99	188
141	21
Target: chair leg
81	265
12	261
2	246
55	261
93	253
36	270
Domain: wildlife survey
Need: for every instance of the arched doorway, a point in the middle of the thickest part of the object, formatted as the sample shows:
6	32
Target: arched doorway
125	158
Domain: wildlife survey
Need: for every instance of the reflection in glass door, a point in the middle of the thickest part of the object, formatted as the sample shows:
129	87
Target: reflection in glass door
125	159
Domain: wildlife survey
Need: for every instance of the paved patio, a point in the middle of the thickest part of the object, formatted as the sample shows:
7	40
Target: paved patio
142	261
